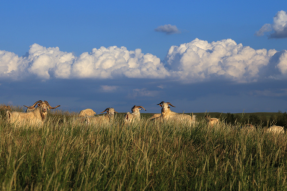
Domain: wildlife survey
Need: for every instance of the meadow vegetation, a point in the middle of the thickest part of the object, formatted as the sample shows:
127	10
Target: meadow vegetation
144	156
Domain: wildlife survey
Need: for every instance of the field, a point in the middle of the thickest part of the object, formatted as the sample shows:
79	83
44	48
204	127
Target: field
144	156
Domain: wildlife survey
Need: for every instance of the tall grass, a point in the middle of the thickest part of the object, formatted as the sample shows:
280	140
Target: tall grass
144	156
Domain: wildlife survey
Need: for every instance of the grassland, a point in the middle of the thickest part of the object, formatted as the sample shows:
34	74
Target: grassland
144	156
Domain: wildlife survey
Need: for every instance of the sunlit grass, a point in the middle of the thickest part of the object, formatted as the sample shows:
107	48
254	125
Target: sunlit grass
144	156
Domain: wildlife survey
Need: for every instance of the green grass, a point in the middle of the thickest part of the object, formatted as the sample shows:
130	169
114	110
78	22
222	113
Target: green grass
145	156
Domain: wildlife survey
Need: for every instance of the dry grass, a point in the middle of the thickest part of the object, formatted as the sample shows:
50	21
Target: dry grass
145	156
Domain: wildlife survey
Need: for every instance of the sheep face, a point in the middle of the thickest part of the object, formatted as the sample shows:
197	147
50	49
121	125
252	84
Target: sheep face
165	106
43	107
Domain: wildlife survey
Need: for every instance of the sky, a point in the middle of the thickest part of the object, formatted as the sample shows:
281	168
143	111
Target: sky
201	56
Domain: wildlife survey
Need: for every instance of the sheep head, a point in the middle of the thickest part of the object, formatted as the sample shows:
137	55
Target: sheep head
110	111
44	106
165	104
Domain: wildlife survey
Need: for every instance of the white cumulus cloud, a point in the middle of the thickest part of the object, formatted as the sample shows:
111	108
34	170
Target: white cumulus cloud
279	26
46	61
11	65
282	65
168	29
190	62
200	61
103	63
117	62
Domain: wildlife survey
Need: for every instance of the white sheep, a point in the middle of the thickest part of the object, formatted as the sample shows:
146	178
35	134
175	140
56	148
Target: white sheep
169	116
87	112
211	121
36	117
135	115
103	119
275	129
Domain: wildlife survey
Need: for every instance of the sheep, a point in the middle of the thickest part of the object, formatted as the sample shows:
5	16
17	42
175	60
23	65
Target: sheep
82	117
168	115
211	121
135	115
275	129
33	107
36	117
87	112
103	119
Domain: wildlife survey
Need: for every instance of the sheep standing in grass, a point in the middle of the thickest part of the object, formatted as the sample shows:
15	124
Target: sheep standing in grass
36	117
169	116
103	119
211	121
275	129
135	115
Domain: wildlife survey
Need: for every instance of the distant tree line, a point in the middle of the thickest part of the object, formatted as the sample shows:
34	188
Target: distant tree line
279	119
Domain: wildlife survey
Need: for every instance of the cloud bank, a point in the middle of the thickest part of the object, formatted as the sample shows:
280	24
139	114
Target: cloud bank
168	29
103	63
200	60
191	62
278	28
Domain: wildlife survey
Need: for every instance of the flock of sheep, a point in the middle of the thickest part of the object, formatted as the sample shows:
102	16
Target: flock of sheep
36	115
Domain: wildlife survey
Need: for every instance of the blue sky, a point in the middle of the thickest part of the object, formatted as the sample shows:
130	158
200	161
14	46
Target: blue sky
224	56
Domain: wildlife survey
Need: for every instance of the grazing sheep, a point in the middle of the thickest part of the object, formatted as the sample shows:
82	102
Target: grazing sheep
275	129
36	117
103	119
135	115
170	116
211	121
87	112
